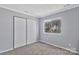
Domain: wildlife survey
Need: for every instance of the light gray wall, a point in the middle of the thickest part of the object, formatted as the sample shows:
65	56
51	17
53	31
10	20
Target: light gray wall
6	28
69	38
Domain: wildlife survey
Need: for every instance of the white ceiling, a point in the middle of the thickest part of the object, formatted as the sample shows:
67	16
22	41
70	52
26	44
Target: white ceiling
37	10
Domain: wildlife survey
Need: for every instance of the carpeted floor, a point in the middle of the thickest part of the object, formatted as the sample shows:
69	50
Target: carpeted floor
38	49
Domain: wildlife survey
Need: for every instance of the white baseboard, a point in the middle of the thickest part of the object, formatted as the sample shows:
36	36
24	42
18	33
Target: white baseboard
31	43
60	47
6	50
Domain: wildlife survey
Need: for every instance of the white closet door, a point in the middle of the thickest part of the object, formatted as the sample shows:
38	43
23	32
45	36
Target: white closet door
32	31
19	32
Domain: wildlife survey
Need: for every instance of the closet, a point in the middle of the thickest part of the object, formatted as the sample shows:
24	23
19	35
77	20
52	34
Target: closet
32	31
25	31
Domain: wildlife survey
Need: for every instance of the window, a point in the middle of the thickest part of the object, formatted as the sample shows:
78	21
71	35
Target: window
53	26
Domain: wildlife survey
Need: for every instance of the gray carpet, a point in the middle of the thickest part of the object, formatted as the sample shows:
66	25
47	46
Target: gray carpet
38	49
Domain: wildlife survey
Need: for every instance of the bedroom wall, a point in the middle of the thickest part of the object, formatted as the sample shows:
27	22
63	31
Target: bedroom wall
6	28
69	36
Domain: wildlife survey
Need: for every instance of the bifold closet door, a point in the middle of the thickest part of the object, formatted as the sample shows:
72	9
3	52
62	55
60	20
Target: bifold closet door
32	31
19	32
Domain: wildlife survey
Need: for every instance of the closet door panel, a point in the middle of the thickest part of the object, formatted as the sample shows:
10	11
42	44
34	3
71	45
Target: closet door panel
19	32
32	27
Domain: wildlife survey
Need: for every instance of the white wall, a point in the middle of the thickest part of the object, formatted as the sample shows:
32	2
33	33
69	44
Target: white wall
69	38
6	27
